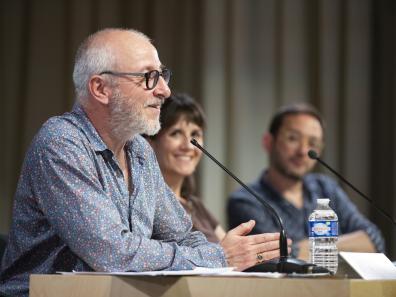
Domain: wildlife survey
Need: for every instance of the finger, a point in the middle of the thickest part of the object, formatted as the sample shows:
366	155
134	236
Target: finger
267	246
240	249
244	246
270	255
249	252
243	228
264	237
246	261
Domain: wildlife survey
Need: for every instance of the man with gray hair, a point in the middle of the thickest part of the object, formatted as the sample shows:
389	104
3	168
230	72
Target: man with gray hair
91	195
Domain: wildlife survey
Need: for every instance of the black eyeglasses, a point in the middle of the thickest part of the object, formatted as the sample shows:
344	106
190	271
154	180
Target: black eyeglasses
151	77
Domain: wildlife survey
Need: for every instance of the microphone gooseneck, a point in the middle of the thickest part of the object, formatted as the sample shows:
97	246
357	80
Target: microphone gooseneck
284	264
283	238
314	155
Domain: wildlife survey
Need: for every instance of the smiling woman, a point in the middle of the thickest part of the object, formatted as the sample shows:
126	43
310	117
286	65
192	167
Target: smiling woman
182	119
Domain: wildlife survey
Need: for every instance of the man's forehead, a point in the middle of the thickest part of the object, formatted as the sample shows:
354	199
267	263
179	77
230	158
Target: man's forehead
140	53
302	122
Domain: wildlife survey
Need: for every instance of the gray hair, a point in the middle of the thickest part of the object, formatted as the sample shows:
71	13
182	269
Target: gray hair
93	57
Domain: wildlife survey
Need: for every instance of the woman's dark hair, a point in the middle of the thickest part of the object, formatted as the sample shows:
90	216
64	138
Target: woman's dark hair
176	107
181	106
293	109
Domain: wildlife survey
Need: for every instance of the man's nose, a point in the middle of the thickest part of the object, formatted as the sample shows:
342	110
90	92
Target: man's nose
304	147
162	89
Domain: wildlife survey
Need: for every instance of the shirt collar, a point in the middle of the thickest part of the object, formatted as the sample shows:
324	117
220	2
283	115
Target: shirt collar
93	136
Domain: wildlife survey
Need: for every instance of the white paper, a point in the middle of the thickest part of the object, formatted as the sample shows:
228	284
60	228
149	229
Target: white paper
202	271
370	266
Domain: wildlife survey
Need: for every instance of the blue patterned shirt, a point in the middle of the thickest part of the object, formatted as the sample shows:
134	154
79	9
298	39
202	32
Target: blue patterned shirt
242	207
73	210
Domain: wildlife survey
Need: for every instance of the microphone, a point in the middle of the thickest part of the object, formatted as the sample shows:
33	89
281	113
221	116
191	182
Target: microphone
284	264
314	155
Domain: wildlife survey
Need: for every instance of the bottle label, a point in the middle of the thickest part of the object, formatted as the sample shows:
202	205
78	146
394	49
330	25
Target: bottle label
323	228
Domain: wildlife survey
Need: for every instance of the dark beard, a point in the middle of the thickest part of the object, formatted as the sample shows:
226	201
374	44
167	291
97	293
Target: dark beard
286	173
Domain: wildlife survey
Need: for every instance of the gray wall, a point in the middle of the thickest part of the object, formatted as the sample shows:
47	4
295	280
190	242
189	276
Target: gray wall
241	60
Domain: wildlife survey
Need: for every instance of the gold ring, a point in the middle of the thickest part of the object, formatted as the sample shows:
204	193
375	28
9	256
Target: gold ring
259	258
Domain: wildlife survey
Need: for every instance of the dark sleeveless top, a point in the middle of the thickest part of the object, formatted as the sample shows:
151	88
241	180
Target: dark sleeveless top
201	218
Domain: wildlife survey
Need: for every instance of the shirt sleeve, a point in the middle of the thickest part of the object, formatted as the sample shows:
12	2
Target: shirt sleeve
73	200
351	220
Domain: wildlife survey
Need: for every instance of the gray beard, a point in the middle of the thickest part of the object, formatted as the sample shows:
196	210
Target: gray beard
127	120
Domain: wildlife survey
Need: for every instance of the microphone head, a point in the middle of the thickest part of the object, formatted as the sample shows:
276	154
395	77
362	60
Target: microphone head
194	141
313	155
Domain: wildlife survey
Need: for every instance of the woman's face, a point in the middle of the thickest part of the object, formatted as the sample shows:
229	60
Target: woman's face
176	156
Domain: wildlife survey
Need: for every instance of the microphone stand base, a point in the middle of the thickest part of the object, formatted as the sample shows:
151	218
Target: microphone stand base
288	265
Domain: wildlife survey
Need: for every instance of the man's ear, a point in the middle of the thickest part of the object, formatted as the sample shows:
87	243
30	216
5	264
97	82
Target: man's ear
99	89
267	142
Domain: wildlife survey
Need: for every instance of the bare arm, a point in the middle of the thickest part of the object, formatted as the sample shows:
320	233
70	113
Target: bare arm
357	241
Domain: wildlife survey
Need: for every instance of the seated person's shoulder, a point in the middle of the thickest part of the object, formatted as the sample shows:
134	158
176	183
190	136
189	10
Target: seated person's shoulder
66	135
242	195
58	128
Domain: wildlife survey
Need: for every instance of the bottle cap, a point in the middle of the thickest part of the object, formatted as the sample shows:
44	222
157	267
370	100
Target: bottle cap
323	200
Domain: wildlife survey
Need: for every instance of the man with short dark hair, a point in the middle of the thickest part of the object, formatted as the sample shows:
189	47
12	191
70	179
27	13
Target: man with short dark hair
292	190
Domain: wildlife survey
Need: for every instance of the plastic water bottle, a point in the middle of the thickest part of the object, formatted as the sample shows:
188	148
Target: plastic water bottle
323	236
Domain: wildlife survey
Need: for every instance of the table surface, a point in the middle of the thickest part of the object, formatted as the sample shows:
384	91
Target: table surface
197	286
